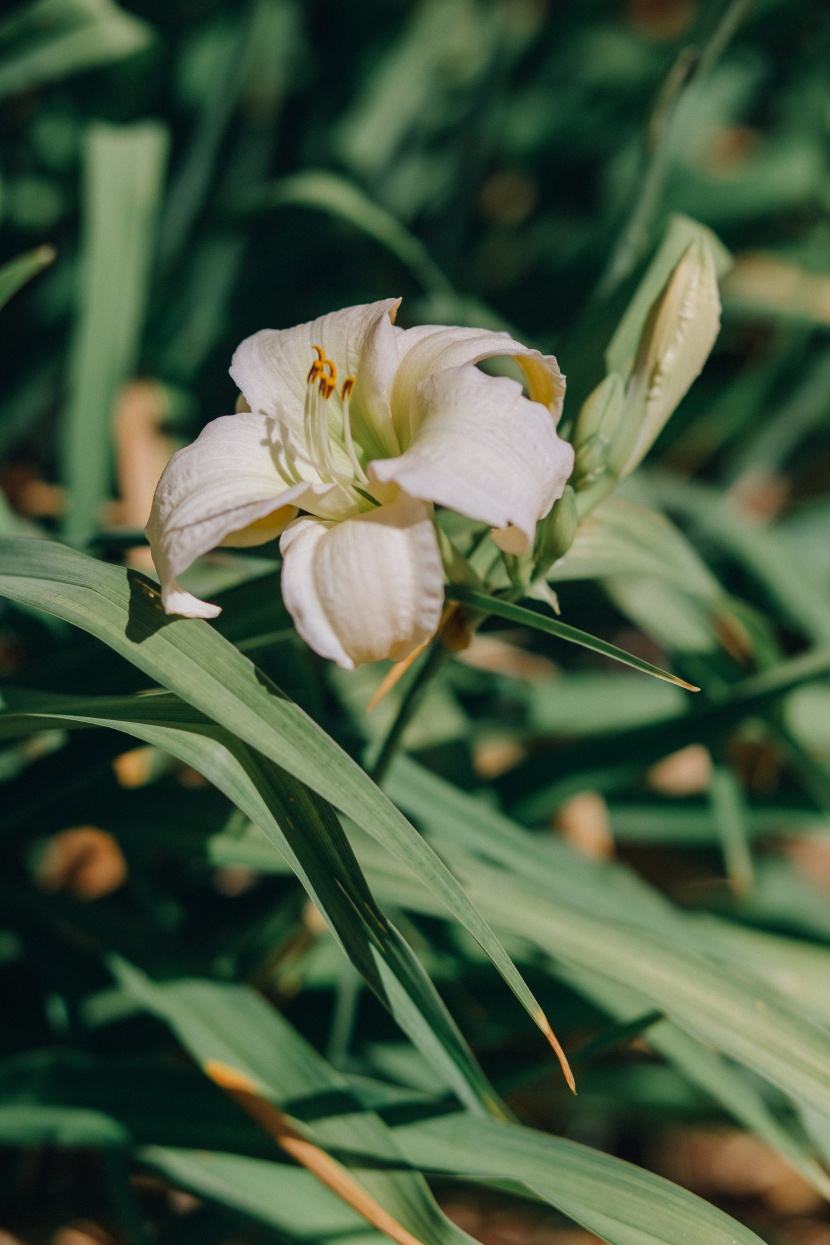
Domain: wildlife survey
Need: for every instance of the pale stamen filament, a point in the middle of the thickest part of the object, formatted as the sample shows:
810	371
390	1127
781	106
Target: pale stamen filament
310	421
307	460
315	419
322	383
345	397
326	386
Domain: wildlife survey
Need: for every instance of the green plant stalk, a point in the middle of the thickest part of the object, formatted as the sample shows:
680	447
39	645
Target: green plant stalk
436	658
438	654
674	104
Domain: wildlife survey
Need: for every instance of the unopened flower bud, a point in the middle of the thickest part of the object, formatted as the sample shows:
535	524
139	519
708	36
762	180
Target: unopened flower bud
676	340
555	533
596	428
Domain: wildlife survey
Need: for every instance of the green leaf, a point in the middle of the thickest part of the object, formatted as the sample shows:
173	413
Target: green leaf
329	193
535	783
594	702
288	1198
790	579
51	39
729	814
123	172
551	626
676	621
235	1027
18	271
413	81
33	1125
229	1024
723	1081
123	609
305	830
619	1202
797	968
604	919
622	538
736	1013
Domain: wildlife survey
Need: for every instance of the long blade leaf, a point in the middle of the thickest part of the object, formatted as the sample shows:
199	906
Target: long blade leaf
18	271
551	626
123	609
307	832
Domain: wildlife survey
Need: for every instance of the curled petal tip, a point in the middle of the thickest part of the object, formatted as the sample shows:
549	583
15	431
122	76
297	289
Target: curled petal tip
176	601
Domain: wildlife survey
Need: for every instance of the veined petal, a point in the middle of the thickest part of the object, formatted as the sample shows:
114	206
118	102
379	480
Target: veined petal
484	449
372	418
369	588
431	348
225	488
271	367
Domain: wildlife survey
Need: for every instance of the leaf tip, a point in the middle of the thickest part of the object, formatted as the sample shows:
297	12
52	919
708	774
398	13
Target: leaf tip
45	255
228	1078
544	1025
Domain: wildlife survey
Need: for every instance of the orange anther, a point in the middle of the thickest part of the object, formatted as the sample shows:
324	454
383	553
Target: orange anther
318	372
348	386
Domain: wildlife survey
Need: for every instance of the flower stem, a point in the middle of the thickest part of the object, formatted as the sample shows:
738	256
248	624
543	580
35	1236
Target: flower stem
674	108
437	656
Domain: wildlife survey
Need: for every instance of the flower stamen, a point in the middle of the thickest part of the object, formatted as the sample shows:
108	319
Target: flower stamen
322	384
345	395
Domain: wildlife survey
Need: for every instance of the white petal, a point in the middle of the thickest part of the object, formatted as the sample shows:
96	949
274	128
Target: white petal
369	588
176	601
433	348
482	448
225	488
371	412
271	367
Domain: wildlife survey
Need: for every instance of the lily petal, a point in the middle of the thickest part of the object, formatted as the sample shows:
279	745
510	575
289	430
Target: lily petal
431	348
177	601
376	368
366	589
271	367
225	488
482	448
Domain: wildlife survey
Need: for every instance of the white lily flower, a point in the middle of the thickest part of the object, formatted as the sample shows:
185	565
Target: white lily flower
363	427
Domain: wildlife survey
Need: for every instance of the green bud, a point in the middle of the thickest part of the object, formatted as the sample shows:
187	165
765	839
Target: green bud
555	533
591	460
601	411
595	433
675	343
